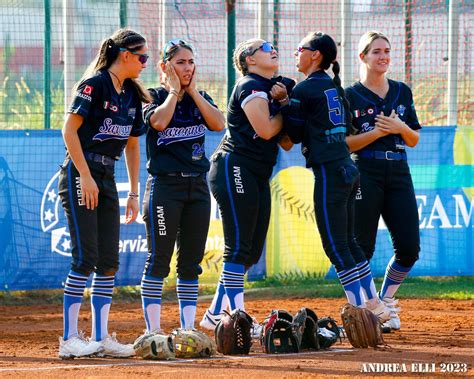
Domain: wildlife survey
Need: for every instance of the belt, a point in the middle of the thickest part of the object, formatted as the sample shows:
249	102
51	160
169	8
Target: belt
185	174
104	159
386	155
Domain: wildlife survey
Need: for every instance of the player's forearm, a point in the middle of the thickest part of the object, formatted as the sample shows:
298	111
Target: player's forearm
214	118
162	115
132	159
359	141
74	148
410	136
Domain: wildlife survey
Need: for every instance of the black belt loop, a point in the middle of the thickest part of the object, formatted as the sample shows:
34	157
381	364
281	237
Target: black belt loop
104	159
384	155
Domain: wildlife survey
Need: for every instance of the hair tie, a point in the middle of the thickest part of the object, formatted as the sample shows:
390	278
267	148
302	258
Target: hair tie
110	43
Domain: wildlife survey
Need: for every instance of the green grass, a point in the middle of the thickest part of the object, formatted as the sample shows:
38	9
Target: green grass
455	288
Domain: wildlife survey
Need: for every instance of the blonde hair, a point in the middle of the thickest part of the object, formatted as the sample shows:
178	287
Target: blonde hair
365	43
367	39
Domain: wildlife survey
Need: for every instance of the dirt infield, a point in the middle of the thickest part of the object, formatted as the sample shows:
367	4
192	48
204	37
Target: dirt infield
436	336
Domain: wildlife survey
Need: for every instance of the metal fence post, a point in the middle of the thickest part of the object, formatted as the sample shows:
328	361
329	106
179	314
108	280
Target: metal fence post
47	66
347	73
453	35
230	8
123	13
68	50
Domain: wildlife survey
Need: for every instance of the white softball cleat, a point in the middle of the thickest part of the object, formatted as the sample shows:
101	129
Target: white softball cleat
394	322
378	308
78	346
114	349
210	321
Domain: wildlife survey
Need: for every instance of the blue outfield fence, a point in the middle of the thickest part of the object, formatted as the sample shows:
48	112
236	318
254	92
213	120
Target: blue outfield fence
34	239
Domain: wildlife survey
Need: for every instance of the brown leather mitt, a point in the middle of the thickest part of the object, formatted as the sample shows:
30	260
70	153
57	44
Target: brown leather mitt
233	333
361	326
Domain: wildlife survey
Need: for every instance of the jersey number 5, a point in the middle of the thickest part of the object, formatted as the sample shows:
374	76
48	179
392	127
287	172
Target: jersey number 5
334	106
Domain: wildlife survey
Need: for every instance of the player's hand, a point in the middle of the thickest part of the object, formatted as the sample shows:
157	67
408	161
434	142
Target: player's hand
90	192
390	124
131	211
191	87
172	78
278	91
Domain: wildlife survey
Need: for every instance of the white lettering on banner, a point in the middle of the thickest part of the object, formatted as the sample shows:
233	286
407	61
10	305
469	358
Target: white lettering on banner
79	191
437	217
461	207
138	245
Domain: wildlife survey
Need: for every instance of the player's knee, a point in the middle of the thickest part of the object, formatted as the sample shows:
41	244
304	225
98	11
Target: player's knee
189	272
106	271
86	271
407	259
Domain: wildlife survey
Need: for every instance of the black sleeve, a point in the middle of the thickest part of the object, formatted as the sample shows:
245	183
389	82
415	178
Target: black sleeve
88	92
412	119
139	127
352	129
208	98
158	98
249	89
293	116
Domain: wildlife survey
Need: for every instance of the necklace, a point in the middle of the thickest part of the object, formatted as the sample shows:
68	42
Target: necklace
120	83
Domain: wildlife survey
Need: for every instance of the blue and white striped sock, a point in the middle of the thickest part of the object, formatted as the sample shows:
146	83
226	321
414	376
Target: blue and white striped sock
220	300
233	274
187	291
73	294
366	280
351	283
395	274
151	290
101	298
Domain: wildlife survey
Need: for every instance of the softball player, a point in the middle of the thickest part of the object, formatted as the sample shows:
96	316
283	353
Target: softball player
384	119
317	116
104	119
241	168
176	206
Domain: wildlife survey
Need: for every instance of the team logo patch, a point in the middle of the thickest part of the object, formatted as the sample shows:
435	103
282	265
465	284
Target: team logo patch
366	127
370	111
132	112
401	110
87	90
359	113
107	105
50	202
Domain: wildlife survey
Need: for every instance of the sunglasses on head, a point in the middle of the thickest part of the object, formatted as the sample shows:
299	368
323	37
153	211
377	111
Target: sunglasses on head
301	48
175	42
142	58
266	47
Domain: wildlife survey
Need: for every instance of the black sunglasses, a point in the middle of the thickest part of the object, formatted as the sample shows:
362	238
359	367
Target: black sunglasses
300	49
142	58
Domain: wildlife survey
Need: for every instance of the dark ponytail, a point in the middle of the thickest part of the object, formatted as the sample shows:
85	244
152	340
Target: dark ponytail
328	49
336	69
108	53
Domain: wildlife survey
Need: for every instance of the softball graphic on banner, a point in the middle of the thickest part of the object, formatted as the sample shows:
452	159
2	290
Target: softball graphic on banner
293	241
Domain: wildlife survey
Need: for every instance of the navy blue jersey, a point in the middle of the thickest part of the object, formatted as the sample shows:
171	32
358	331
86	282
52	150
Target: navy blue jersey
180	146
315	117
109	118
365	105
241	137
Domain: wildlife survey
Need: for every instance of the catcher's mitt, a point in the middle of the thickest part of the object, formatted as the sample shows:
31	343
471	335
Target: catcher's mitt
361	326
192	344
278	334
328	332
154	346
233	333
309	338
